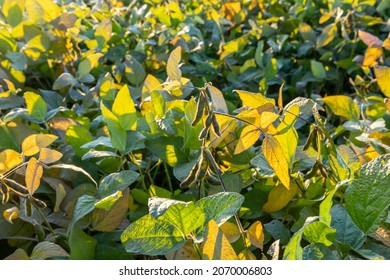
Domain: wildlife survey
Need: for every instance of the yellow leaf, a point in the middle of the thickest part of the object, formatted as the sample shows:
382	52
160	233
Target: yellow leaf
371	56
11	214
387	103
34	143
275	157
370	40
216	245
382	75
34	172
246	255
343	106
256	234
289	142
289	118
217	99
231	231
267	118
151	84
249	136
8	160
279	197
173	70
49	156
42	9
187	252
253	100
123	108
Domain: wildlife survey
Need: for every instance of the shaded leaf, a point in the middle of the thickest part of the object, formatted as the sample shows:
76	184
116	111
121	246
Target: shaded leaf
82	246
45	250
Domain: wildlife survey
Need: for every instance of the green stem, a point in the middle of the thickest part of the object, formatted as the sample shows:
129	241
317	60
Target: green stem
134	160
198	251
43	218
168	177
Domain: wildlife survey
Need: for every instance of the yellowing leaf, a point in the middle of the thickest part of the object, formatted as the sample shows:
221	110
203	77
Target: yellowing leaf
8	160
289	118
267	118
289	142
343	106
256	234
49	156
246	255
231	231
11	214
253	100
88	64
117	133
173	70
387	104
370	40
34	143
371	56
42	9
233	46
36	106
216	245
276	158
382	75
187	252
34	172
249	135
279	197
124	109
151	84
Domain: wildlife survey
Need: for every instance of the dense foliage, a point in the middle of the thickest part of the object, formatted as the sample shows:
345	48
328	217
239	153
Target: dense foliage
194	129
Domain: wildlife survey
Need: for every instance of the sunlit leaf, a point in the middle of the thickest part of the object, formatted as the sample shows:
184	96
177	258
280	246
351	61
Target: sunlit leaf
76	136
118	134
42	9
382	75
11	214
217	100
256	234
173	70
329	33
246	255
8	160
231	231
253	100
318	232
34	143
124	109
74	168
279	197
371	56
343	106
249	136
152	237
36	106
88	64
276	158
34	172
216	246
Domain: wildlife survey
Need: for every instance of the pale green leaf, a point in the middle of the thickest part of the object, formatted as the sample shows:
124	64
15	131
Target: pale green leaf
77	136
158	206
318	251
87	64
153	237
344	106
221	206
318	232
317	69
134	71
118	134
65	79
217	100
173	71
36	106
84	205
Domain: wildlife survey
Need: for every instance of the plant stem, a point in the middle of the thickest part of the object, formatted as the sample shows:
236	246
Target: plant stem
168	177
197	249
43	218
134	160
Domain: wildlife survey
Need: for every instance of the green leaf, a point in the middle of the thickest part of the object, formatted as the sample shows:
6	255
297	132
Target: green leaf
318	251
87	64
123	108
167	149
82	246
319	232
346	231
343	106
65	79
118	134
36	106
77	136
278	231
107	202
221	206
158	206
45	250
274	154
293	250
84	205
153	237
329	33
325	206
186	217
173	71
317	69
117	182
107	88
368	195
134	71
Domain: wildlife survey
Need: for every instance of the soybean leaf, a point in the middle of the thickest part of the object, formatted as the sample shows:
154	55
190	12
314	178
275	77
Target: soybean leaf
65	79
84	205
279	197
34	172
318	232
117	182
36	106
276	158
48	156
74	168
216	246
158	206
318	251
34	143
368	195
221	206
343	106
382	77
123	108
9	159
45	250
249	135
118	133
256	234
82	246
152	237
173	70
346	230
253	100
